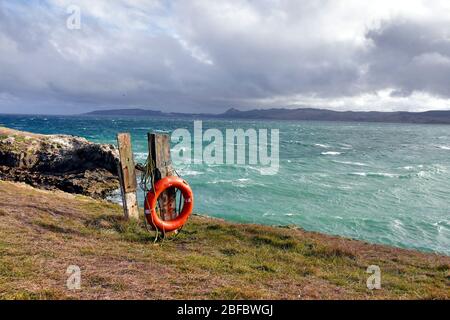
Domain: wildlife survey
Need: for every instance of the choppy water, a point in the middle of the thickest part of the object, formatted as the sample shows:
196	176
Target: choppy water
384	183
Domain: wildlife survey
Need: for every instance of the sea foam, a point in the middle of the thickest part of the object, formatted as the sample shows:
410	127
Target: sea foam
331	153
359	164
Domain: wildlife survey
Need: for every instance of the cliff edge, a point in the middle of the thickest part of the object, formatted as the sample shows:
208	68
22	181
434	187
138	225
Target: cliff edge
64	162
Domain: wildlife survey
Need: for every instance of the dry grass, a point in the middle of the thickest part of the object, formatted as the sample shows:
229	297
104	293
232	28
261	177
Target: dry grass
43	232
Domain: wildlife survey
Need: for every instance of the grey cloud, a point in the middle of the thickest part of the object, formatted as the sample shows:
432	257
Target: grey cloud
202	63
410	56
256	61
35	69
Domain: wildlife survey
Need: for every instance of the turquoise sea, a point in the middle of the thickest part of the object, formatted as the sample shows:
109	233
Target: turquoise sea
383	183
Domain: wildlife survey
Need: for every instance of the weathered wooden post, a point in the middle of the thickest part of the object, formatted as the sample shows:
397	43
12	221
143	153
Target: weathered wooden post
127	177
159	149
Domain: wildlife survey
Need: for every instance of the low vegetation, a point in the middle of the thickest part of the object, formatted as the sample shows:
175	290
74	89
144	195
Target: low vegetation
44	232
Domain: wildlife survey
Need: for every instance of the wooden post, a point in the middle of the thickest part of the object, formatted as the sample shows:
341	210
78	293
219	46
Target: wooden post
159	149
127	177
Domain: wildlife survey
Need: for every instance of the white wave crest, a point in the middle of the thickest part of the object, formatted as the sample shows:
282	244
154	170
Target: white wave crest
140	156
375	174
190	172
331	153
322	145
359	164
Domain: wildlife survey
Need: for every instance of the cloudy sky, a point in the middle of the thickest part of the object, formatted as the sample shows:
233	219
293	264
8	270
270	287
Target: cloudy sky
208	56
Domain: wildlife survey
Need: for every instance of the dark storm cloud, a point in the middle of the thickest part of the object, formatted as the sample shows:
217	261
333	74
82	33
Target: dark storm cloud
410	56
96	66
204	56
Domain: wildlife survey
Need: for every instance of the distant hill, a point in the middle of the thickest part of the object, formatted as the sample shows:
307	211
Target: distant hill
430	117
125	112
145	113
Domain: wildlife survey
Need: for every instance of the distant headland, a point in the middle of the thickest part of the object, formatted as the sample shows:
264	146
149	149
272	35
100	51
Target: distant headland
299	114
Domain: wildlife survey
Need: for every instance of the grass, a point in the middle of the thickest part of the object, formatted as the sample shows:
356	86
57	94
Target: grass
44	232
20	142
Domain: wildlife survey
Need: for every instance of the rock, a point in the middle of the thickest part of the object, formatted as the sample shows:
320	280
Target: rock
64	162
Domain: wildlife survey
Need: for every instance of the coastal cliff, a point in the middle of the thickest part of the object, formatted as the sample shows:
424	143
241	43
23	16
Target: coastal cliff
64	162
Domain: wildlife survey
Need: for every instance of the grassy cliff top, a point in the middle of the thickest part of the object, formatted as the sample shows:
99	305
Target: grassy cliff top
43	232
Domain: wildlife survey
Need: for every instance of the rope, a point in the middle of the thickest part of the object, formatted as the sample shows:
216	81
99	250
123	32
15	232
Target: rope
147	183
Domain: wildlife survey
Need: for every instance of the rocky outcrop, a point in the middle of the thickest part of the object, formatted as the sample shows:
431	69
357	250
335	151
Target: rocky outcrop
68	163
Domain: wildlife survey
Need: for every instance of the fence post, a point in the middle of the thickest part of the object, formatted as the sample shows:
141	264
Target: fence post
159	148
127	177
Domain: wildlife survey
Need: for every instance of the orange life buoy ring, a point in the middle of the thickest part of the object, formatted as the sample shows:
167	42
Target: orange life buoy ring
151	200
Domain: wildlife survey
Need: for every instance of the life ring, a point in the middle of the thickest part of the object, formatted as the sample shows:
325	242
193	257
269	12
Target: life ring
151	200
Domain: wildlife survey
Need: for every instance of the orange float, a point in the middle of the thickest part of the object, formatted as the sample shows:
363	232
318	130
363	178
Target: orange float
151	201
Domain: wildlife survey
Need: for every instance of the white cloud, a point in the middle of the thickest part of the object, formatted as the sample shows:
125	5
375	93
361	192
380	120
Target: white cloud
383	100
